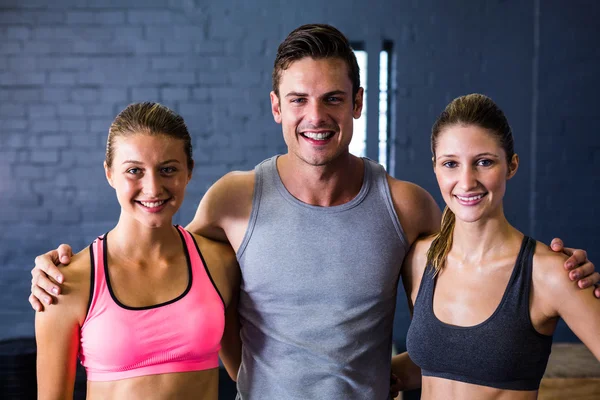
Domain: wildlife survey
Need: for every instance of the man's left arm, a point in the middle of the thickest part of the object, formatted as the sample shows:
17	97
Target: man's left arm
578	266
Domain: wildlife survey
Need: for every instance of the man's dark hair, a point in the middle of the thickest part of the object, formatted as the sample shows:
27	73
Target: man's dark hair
317	41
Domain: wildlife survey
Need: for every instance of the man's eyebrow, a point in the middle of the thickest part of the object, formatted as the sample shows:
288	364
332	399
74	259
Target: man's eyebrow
300	94
296	94
161	163
334	92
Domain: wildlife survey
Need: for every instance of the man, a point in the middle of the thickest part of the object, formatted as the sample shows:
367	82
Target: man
320	236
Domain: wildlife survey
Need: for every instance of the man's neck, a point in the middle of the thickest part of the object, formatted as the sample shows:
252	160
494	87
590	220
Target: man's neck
327	185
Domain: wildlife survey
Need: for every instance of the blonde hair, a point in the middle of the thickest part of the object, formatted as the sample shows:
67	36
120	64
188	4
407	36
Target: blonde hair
152	119
472	109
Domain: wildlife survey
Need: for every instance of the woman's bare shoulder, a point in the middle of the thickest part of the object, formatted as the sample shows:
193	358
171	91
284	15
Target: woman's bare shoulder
548	267
75	289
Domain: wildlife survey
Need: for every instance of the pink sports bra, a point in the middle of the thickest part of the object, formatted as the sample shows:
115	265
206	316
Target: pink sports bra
180	335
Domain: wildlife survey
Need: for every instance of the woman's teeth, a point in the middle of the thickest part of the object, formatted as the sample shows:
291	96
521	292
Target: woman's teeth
470	198
152	204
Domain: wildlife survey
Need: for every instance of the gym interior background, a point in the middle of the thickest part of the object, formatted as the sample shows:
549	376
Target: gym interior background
68	66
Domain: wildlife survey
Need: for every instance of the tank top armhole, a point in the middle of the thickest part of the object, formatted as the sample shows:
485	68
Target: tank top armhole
527	264
92	279
95	280
206	268
256	196
384	188
424	276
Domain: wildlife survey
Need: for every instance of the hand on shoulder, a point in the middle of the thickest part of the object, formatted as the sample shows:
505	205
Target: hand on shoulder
75	291
549	268
562	297
551	281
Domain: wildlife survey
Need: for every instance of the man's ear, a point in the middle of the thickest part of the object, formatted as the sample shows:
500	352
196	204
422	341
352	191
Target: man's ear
108	174
513	166
358	103
275	107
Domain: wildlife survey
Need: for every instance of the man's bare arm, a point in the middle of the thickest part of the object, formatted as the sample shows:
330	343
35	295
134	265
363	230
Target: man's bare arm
224	211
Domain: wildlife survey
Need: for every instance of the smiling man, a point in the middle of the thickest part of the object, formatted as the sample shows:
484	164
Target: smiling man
319	234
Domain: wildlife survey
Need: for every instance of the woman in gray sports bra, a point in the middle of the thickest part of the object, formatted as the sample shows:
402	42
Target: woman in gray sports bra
485	298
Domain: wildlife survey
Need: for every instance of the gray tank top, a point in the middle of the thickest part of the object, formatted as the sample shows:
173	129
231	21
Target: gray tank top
318	292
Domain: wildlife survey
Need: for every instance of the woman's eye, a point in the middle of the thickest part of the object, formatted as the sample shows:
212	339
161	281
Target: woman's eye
449	164
484	163
133	171
169	170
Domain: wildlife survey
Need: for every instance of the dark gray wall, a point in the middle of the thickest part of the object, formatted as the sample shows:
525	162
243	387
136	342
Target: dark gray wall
68	66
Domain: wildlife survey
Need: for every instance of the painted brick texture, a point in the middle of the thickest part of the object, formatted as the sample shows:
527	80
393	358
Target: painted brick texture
67	67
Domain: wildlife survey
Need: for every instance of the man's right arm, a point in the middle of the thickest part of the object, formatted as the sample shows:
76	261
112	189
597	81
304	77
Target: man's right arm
224	211
222	215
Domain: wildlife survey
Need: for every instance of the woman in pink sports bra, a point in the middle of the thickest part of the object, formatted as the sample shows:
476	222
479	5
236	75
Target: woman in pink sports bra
146	304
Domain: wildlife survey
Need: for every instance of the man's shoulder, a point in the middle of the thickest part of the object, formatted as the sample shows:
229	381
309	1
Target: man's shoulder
226	205
405	189
408	196
233	184
416	208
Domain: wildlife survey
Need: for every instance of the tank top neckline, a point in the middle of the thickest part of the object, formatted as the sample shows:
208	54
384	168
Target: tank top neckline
364	190
165	303
511	281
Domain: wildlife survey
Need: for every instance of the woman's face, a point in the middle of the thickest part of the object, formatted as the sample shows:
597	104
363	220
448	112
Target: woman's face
472	170
149	174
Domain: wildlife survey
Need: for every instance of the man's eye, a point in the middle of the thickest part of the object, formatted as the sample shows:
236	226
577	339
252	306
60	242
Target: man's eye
298	100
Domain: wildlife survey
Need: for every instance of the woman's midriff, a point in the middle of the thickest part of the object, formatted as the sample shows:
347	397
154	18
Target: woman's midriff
201	385
445	389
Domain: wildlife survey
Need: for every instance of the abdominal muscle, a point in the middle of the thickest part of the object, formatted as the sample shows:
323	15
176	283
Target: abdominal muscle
201	385
445	389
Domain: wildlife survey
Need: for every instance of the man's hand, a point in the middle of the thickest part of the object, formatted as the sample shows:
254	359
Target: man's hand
579	267
395	386
42	288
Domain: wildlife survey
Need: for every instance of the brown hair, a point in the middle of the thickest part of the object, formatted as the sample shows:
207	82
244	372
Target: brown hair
152	119
317	41
472	109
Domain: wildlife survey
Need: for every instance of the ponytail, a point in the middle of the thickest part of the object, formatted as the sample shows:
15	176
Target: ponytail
441	245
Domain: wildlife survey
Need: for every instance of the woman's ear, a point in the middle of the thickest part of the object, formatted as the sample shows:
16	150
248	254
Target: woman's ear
191	170
108	174
513	166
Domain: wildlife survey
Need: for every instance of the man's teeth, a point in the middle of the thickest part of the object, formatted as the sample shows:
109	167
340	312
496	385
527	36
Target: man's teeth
152	204
471	198
318	135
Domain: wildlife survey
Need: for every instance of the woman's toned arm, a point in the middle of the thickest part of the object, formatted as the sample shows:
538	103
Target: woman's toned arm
408	373
224	269
57	333
555	295
231	344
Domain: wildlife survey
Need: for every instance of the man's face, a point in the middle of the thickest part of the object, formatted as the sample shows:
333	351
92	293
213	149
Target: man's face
316	110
